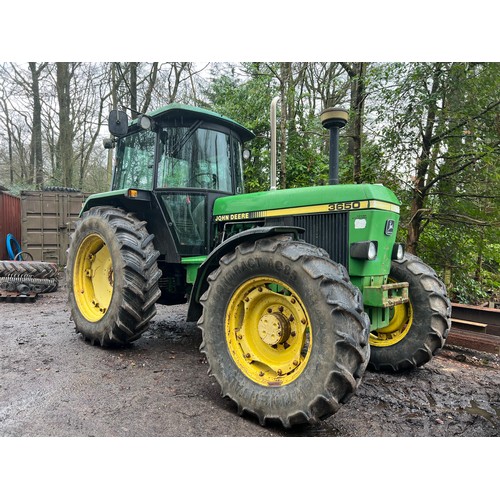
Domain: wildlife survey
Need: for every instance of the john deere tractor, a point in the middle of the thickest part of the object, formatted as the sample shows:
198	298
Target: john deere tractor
296	291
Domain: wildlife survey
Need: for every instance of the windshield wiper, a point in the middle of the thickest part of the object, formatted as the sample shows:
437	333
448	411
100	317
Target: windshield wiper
182	141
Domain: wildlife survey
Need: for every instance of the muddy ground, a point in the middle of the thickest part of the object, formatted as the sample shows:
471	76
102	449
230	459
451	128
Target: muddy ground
52	383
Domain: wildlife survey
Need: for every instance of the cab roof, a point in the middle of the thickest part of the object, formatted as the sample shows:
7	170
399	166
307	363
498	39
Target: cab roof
176	110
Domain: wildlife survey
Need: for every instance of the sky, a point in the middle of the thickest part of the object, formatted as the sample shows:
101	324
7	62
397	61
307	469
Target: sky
223	30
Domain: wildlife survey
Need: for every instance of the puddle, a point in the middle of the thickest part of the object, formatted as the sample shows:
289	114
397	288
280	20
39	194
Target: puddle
474	409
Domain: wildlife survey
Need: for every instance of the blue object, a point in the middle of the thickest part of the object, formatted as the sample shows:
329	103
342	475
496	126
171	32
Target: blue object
10	242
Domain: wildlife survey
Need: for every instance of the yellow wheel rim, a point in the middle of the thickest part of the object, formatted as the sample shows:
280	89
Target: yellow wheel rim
93	278
397	329
268	332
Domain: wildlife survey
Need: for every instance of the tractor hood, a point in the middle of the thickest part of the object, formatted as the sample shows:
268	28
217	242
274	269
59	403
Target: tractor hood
316	199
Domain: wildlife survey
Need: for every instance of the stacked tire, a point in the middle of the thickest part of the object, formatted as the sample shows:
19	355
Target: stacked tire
28	276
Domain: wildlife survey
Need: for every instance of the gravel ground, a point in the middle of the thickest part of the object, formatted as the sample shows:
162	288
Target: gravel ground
55	384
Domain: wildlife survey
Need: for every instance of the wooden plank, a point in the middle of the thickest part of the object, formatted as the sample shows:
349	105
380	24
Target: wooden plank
469	325
478	314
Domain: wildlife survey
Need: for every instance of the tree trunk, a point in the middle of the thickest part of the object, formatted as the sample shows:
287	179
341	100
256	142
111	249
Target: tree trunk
149	91
356	72
358	94
133	89
423	164
65	141
36	132
6	122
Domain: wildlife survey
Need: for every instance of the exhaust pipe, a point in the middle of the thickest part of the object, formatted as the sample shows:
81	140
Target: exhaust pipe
334	119
274	103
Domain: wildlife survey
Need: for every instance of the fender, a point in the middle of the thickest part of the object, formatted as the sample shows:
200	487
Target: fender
212	261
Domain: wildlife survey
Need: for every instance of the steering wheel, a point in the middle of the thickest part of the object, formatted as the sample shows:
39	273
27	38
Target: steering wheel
212	182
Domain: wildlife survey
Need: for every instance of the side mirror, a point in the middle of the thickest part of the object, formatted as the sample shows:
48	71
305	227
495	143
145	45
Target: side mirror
118	123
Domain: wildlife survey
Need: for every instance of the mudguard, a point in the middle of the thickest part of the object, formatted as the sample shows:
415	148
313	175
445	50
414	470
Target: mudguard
212	261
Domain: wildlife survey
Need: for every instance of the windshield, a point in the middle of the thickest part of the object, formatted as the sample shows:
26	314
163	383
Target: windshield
197	158
188	157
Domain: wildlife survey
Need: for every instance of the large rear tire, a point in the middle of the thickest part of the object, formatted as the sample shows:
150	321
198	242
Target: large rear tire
284	331
418	329
112	277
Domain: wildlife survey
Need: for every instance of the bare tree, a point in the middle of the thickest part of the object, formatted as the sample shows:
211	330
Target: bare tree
36	141
64	75
7	126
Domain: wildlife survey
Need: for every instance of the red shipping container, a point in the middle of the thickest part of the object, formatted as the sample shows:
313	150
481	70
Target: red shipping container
10	221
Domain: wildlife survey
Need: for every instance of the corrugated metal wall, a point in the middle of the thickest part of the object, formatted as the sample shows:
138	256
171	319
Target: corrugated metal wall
10	221
47	221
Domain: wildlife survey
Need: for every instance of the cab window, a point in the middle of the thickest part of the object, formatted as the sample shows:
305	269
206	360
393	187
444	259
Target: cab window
134	165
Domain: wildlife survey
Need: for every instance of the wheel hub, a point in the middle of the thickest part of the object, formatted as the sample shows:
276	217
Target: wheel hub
396	330
274	328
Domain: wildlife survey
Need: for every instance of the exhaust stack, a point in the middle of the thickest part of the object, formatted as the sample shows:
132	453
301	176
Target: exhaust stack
274	102
334	119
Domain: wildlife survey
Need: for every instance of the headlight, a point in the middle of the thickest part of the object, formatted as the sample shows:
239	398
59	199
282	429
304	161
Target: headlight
365	250
398	251
144	122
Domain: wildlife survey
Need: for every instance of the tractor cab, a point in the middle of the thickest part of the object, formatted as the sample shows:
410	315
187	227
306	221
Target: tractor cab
187	157
180	146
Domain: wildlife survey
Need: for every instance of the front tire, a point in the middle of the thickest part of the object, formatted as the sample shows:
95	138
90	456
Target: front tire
284	331
112	277
418	329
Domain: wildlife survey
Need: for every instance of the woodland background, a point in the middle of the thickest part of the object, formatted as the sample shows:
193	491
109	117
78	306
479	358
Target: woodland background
429	131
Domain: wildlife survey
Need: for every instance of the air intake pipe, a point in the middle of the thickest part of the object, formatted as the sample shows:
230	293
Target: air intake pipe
334	119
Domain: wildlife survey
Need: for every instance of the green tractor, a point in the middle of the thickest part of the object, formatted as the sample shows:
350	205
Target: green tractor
296	291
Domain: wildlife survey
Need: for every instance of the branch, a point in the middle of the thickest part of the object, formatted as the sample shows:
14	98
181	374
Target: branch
348	69
445	133
456	171
479	196
464	219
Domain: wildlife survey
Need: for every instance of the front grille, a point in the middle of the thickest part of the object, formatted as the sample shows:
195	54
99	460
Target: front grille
328	231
